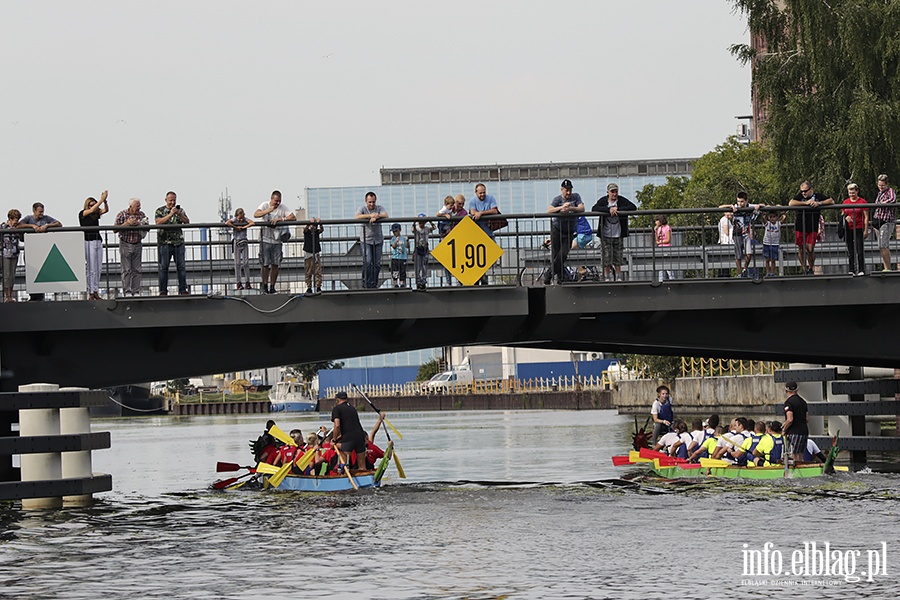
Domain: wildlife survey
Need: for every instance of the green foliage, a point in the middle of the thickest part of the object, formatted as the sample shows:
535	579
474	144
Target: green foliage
666	368
308	371
732	167
660	197
829	82
429	369
176	385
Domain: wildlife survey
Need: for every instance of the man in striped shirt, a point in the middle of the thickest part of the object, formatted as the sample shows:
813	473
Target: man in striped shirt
131	247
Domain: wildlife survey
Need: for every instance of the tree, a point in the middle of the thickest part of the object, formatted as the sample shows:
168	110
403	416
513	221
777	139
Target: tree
308	371
828	78
429	369
732	167
666	368
176	385
660	197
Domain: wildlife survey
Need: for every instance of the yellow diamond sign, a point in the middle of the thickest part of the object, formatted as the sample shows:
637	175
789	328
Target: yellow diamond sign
467	252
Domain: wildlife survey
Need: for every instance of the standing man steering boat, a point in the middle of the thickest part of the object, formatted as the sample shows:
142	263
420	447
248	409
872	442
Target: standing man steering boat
348	432
662	413
796	419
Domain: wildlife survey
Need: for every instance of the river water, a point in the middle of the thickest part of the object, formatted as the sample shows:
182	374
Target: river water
495	505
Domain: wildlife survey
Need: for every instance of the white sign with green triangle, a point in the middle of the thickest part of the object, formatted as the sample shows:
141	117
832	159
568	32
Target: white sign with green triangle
54	262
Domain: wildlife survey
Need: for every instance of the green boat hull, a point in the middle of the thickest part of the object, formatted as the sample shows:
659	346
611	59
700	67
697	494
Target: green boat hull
756	473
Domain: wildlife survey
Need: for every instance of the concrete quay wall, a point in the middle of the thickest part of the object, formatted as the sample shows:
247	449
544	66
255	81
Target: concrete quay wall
731	396
583	400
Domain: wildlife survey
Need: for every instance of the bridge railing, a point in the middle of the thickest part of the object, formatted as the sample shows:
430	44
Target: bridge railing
695	254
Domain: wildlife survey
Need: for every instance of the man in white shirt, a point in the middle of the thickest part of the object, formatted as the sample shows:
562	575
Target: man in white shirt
272	212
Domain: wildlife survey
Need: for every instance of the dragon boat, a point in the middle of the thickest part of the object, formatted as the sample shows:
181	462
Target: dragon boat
266	476
662	465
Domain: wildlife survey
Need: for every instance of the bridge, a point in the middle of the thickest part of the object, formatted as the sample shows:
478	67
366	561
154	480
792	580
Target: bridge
830	318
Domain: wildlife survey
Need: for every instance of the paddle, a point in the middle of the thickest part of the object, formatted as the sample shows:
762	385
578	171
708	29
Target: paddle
346	468
832	455
375	408
266	468
222	467
396	457
227	482
788	459
276	479
281	436
307	458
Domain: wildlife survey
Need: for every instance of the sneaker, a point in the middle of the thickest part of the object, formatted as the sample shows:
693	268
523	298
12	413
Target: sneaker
239	286
164	293
885	270
318	290
809	272
184	293
548	279
861	274
247	286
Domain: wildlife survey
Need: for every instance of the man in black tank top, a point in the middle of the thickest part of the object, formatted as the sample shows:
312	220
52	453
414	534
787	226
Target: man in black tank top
348	432
795	429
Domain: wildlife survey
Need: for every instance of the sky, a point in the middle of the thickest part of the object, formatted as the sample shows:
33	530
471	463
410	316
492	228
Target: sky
198	96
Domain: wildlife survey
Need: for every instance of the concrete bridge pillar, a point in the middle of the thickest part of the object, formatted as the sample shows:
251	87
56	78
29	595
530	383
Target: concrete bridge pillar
47	465
76	464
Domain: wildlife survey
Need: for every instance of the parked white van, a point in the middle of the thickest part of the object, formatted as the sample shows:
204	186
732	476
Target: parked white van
447	379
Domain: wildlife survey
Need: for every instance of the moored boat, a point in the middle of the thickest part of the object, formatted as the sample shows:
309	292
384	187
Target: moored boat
292	396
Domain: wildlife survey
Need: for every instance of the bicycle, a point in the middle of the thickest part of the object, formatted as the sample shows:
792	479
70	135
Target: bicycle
536	276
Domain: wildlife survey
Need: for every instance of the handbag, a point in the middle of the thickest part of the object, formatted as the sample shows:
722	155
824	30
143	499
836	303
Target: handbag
841	227
495	224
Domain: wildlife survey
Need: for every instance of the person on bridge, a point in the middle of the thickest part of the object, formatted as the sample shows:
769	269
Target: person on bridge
371	239
796	422
661	412
171	243
726	237
482	205
399	254
612	229
806	226
745	215
883	221
272	212
240	224
562	230
93	244
856	230
348	434
131	246
421	230
10	254
40	223
312	255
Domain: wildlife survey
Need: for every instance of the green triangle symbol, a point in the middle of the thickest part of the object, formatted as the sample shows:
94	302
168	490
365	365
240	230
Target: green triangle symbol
55	268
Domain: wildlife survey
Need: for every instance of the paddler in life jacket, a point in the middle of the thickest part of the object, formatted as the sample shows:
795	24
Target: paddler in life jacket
662	413
265	447
771	446
751	444
708	446
664	444
729	446
679	448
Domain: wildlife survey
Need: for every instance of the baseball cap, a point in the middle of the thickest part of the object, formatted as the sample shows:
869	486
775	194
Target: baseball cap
396	227
790	386
422	215
340	396
612	186
567	184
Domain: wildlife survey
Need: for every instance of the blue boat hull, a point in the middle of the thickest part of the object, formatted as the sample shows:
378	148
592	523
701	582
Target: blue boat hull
327	484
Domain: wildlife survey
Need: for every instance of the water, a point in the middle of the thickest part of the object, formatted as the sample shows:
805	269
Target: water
517	505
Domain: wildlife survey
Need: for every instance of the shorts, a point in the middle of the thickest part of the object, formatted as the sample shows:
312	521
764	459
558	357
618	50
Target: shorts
770	251
583	239
810	238
796	442
398	269
358	444
742	246
884	234
612	252
269	254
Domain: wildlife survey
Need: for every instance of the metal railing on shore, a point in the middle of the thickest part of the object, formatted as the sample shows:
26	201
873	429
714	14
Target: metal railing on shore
694	254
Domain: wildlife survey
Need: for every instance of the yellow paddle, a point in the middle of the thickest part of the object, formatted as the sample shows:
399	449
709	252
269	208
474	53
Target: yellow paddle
307	458
281	436
276	479
266	468
712	462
